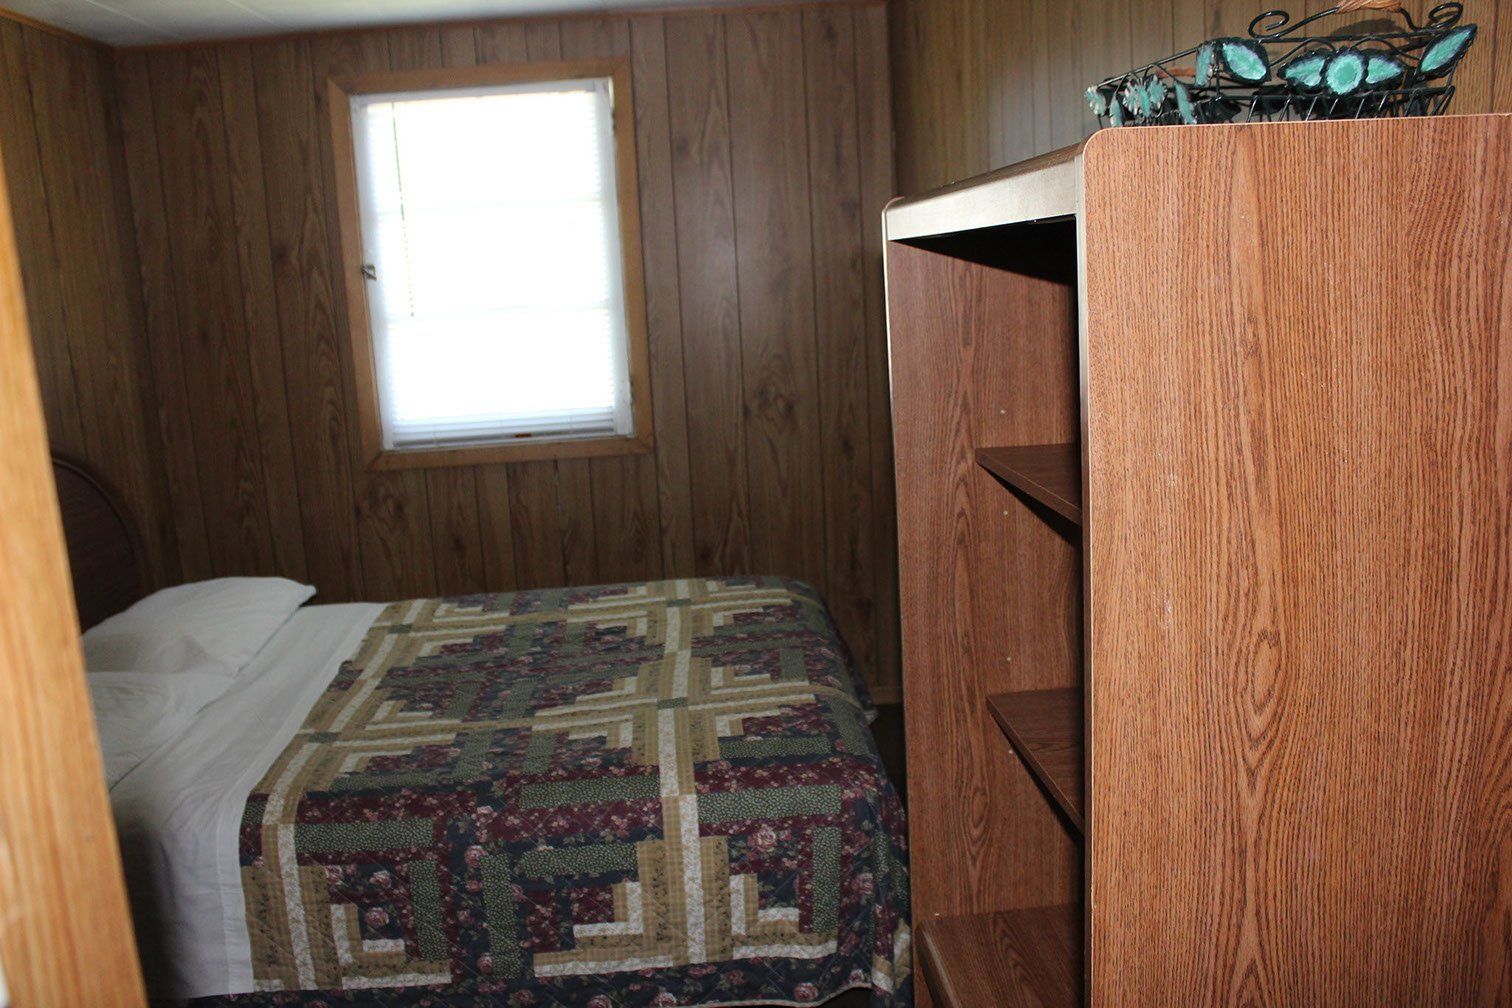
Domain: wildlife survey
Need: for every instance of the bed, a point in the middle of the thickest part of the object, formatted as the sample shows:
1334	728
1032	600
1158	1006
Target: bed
643	794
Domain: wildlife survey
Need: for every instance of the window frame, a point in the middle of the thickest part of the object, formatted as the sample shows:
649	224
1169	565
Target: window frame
340	90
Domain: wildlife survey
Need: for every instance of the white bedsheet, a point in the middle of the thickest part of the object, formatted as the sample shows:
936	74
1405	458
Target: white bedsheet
178	813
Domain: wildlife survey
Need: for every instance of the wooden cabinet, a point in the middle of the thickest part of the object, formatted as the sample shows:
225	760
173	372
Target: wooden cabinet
1204	463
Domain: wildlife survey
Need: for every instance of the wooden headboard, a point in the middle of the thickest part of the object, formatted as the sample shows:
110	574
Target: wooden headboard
104	550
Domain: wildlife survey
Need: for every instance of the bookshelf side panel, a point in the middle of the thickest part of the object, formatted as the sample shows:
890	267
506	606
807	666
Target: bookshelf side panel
990	593
1299	500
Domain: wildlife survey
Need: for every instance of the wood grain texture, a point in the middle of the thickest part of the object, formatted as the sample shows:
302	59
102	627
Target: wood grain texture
1048	474
249	214
58	129
1047	730
653	145
185	511
1297	522
979	84
761	256
57	839
309	338
875	143
203	255
775	279
1026	958
841	350
708	279
990	593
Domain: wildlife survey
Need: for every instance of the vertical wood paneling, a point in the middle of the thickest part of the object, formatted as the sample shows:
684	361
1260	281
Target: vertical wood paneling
313	352
763	151
164	345
1063	24
708	280
71	149
1108	43
212	327
79	267
1475	80
495	531
159	526
875	137
653	146
1500	59
249	208
34	237
539	558
835	221
779	370
500	42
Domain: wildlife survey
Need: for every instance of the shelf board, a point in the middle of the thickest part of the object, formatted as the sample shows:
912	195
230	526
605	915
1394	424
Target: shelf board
1050	474
1011	959
1046	728
1042	188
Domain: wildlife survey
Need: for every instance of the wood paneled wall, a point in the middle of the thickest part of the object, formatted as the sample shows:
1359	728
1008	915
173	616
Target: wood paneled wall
764	154
66	178
984	83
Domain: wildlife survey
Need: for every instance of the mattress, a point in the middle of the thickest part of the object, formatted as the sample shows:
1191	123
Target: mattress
649	794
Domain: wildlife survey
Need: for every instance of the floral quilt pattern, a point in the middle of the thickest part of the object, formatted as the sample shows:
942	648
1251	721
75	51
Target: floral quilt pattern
655	794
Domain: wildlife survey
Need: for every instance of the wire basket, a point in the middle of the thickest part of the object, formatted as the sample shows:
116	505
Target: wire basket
1282	72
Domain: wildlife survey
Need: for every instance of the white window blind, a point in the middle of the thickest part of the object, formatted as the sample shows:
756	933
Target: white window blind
496	300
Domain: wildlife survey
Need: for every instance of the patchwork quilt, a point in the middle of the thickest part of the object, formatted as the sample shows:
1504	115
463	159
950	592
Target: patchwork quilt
655	794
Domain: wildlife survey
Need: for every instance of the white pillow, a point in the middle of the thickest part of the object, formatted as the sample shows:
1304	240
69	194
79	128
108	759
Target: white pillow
138	713
209	626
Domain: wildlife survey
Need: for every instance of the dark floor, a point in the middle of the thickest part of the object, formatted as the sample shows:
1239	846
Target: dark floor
888	731
859	998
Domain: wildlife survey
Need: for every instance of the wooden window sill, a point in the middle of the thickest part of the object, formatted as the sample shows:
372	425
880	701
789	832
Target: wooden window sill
519	450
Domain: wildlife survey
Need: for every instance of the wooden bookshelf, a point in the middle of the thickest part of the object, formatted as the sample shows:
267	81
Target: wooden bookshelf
1225	545
1047	730
1048	473
1008	959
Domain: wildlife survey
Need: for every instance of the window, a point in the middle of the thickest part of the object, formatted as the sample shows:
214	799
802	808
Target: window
490	218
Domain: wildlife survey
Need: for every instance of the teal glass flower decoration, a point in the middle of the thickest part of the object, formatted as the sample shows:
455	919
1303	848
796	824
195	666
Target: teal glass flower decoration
1155	93
1184	106
1441	57
1345	73
1381	69
1204	74
1244	59
1306	71
1284	71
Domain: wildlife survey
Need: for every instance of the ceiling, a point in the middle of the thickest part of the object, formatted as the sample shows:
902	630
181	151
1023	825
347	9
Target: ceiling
145	22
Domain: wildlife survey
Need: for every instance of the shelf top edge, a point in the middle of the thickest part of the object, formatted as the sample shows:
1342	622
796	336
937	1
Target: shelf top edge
1048	187
1041	188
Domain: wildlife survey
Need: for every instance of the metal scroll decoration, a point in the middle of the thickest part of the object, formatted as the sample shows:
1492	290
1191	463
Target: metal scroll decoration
1282	72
